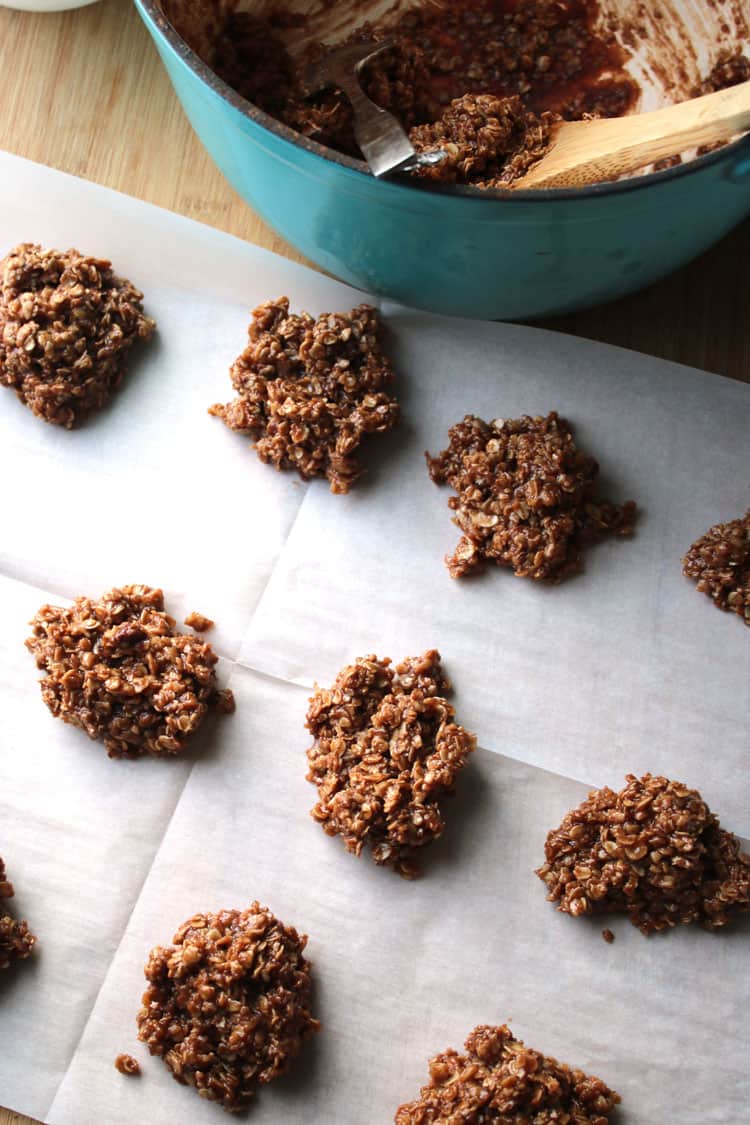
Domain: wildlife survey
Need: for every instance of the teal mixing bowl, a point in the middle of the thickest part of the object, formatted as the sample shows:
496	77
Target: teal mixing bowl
460	251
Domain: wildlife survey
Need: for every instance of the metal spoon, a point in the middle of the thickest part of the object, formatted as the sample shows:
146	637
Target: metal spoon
381	137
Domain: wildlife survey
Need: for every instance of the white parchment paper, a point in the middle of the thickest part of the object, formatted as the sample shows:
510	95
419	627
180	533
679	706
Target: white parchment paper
624	668
404	970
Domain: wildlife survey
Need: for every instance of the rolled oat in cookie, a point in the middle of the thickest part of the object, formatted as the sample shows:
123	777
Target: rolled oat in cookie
309	390
386	753
526	497
488	141
199	622
720	562
118	669
67	324
228	1004
128	1066
16	941
653	851
499	1079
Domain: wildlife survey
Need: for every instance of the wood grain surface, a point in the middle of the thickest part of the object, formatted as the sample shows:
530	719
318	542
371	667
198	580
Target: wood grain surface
85	92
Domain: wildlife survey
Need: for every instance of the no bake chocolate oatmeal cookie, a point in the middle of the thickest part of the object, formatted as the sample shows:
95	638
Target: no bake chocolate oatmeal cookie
228	1004
526	497
386	753
653	851
118	669
67	324
499	1079
16	940
309	390
720	563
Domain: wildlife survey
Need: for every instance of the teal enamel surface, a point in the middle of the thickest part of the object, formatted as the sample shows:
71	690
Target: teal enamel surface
464	254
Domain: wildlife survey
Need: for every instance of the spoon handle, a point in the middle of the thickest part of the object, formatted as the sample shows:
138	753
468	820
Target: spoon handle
381	137
587	152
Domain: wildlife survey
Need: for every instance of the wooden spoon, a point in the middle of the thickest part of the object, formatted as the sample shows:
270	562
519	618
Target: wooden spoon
589	152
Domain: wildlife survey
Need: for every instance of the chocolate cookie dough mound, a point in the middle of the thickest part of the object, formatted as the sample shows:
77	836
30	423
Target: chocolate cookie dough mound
720	562
16	941
526	497
228	1004
67	324
309	390
500	1079
653	851
488	141
386	753
118	669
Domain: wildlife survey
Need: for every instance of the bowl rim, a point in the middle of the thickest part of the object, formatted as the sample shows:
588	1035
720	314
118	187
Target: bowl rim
153	10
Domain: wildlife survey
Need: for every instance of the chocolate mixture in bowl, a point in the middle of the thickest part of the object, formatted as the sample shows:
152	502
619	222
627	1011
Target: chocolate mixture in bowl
564	60
485	77
487	141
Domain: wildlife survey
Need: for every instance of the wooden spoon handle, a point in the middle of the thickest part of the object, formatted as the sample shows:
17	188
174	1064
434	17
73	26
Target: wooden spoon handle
587	152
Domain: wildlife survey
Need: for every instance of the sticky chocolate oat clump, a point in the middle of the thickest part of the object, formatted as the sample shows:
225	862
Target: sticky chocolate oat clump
67	324
730	68
118	669
526	497
653	851
16	940
487	141
386	753
720	563
199	622
499	1079
309	390
128	1066
228	1004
